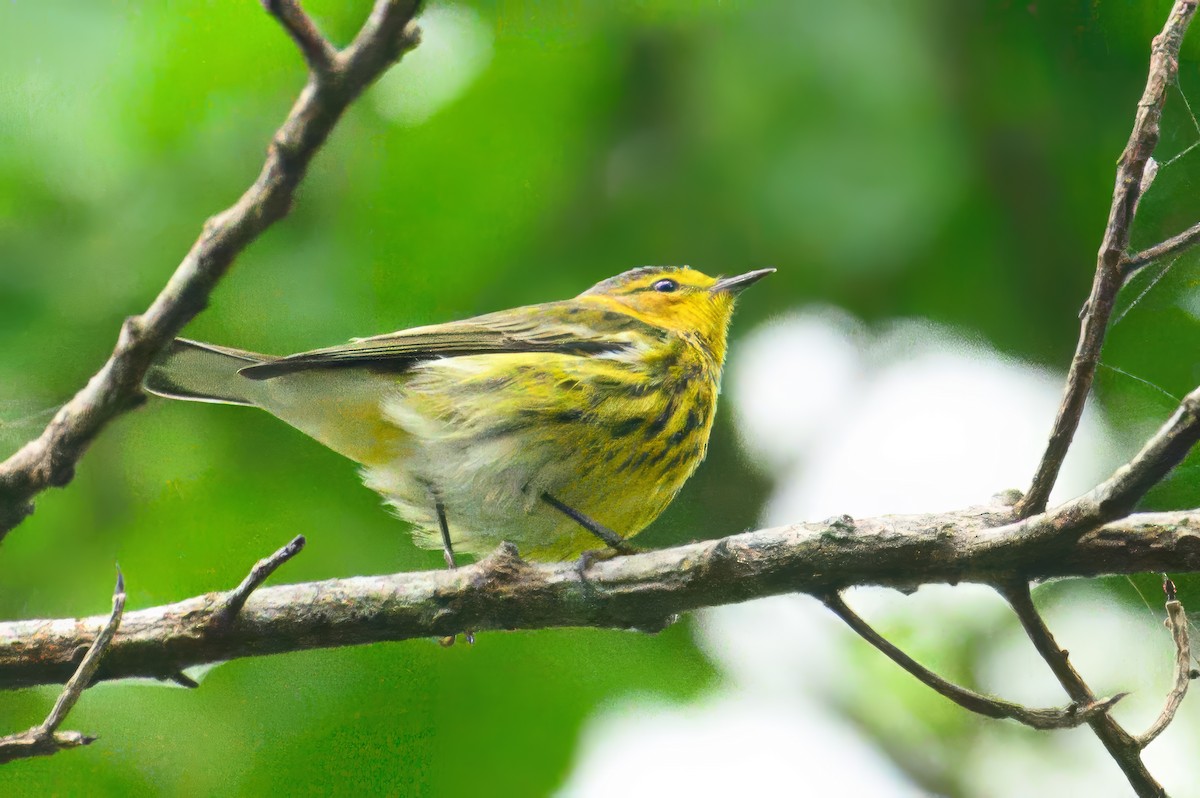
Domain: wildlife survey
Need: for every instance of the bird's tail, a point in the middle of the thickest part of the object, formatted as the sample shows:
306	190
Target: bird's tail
204	373
341	408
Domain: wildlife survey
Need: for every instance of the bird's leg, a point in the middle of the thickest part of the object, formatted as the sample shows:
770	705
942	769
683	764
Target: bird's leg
448	553
610	538
447	548
616	544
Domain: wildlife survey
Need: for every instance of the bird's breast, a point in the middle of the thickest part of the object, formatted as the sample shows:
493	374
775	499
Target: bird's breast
613	436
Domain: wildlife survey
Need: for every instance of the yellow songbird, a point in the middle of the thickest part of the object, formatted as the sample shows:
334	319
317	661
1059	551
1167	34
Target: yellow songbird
550	426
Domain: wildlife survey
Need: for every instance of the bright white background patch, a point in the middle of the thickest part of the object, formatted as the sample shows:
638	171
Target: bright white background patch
910	418
729	744
456	46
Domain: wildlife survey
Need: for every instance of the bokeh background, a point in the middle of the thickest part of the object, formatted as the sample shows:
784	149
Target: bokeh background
931	179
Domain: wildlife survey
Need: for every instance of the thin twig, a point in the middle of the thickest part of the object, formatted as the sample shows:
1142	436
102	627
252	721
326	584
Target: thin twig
1177	622
236	598
641	591
1164	64
49	460
989	706
1164	249
316	49
1123	748
45	738
1120	493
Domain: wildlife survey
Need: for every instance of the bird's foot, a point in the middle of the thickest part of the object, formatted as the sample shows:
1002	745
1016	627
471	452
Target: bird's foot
448	640
591	556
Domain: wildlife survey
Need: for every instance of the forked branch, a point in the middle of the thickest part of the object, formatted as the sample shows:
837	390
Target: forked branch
1123	748
45	738
1177	622
642	591
1164	249
1089	535
318	53
988	706
1109	277
335	80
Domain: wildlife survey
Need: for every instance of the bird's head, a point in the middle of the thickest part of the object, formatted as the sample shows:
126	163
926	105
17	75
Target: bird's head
677	298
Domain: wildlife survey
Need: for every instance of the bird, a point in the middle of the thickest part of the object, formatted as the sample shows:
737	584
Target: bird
556	427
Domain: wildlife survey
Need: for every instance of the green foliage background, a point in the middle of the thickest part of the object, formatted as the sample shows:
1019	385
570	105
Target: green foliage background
936	158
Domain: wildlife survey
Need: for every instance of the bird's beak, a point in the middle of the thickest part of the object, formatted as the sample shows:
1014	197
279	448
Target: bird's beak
734	285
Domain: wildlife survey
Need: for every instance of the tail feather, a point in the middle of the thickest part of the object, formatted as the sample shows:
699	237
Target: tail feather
201	372
342	409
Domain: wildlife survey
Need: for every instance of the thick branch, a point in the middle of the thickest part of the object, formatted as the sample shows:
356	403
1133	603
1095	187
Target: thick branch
49	460
1164	64
642	591
1123	748
986	705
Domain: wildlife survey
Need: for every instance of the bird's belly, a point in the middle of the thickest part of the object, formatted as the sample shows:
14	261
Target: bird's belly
492	491
490	458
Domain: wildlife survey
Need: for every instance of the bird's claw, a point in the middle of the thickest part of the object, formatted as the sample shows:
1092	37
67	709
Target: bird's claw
592	556
448	640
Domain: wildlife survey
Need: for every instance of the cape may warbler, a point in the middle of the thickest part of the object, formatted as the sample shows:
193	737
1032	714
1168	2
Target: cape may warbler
548	426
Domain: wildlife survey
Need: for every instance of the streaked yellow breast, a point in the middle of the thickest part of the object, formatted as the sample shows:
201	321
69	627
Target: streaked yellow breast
613	436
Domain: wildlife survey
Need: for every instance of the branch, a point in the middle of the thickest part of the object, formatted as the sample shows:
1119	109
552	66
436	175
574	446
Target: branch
335	80
1115	497
1164	64
46	739
1058	529
236	599
318	53
1177	622
1043	719
1123	748
642	591
1164	249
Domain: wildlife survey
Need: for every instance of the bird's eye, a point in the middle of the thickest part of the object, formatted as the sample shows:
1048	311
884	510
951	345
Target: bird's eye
666	286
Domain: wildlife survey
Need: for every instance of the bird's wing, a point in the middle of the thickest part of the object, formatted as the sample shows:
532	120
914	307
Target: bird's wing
571	327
